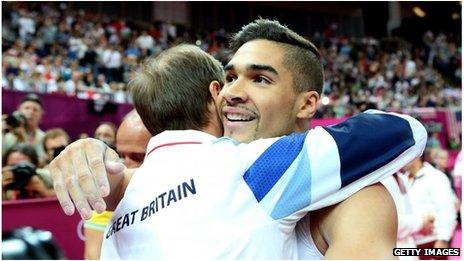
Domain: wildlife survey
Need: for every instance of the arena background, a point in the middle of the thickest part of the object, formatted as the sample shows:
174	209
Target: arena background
396	56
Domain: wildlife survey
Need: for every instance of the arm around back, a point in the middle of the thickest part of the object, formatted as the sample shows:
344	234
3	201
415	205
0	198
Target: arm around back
362	227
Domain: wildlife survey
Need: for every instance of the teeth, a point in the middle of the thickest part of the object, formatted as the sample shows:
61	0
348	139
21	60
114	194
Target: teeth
238	117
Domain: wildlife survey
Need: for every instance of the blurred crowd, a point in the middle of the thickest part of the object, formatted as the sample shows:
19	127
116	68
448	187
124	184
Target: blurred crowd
51	48
389	73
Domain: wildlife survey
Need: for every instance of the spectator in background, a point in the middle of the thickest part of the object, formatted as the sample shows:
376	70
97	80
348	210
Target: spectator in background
146	43
30	112
74	84
119	94
101	83
55	140
132	139
21	178
88	79
20	82
126	31
106	132
131	143
89	60
48	32
112	61
409	222
440	160
26	26
430	193
132	50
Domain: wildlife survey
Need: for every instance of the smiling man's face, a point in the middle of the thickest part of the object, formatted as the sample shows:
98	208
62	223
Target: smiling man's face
258	98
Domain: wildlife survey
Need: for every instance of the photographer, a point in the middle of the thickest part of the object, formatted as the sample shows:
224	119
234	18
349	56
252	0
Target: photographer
23	125
20	178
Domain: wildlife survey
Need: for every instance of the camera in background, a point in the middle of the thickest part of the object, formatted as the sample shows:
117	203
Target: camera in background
22	173
16	120
29	243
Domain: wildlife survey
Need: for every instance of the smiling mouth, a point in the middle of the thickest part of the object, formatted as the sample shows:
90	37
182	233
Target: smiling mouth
235	117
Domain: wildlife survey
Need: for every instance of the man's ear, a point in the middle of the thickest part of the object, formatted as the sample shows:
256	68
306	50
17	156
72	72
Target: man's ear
214	89
307	104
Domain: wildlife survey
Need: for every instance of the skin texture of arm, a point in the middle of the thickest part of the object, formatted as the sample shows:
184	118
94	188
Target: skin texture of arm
93	242
363	226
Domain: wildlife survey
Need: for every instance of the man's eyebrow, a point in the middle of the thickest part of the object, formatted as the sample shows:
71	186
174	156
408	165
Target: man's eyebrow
262	67
228	67
254	67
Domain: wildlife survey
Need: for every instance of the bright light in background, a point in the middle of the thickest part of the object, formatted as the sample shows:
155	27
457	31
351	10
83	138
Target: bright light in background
325	100
455	16
198	42
418	11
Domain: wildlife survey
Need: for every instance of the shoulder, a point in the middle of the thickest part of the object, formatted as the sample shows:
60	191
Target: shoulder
39	133
367	218
371	201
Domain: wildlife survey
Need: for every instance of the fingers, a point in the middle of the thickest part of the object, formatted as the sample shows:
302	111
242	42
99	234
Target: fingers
94	152
77	195
60	189
79	177
87	188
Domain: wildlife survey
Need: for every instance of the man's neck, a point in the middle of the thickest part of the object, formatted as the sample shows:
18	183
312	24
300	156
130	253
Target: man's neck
214	127
31	130
302	126
415	170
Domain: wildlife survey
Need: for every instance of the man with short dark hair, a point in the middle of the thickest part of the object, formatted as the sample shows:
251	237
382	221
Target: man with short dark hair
273	84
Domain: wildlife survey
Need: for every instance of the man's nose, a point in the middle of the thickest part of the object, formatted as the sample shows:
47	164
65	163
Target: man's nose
236	92
29	111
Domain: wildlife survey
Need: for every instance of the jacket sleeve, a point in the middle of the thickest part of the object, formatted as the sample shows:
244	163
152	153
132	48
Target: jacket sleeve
308	171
